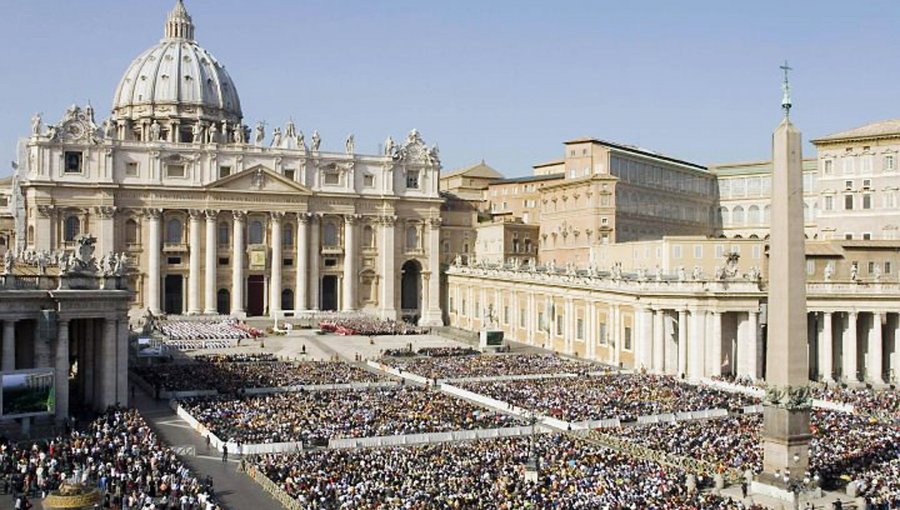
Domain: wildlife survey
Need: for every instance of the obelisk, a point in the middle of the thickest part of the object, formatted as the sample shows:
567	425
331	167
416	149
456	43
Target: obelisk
787	402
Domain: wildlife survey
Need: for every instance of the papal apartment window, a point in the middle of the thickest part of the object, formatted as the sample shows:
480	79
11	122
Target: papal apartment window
867	236
889	163
131	169
698	251
870	267
224	171
829	167
887	267
867	201
829	203
412	179
848	202
848	236
73	161
369	181
174	170
676	251
810	267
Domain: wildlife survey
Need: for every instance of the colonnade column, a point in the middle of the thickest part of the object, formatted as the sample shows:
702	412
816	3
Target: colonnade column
616	331
153	253
848	349
209	295
9	344
62	369
753	345
237	263
697	345
715	365
388	270
658	359
122	361
874	369
682	343
432	315
109	362
314	253
895	368
275	279
193	297
302	283
350	276
826	350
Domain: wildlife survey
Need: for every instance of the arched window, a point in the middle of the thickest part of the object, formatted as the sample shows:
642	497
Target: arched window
737	215
329	234
287	299
287	236
223	234
726	217
131	232
412	238
173	231
256	232
72	228
766	218
368	237
753	215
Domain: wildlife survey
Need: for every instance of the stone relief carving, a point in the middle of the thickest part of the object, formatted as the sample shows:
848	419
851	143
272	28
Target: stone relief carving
788	397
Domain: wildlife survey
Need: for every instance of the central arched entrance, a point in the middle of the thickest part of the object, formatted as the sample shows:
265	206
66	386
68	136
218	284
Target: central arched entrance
411	291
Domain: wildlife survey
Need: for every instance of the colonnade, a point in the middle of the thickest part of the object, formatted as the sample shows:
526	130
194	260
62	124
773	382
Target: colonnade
856	346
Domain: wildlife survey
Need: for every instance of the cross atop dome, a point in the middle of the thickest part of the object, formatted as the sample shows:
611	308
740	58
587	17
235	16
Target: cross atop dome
179	24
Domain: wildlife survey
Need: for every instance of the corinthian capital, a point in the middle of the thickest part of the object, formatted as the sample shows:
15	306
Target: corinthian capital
105	211
239	215
153	213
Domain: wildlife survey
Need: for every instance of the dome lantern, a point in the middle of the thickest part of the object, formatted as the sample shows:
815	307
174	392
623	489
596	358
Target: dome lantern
179	24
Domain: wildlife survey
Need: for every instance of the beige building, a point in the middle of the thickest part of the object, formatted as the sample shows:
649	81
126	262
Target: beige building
217	218
469	183
506	241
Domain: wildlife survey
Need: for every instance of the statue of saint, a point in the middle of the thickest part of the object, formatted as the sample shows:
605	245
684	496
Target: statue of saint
36	124
212	134
109	129
389	147
276	137
259	135
301	142
238	134
349	144
316	141
154	131
197	132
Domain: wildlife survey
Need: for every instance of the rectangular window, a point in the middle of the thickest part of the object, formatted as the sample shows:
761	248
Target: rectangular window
848	185
452	308
627	342
173	260
698	251
289	173
889	163
829	203
223	261
541	321
174	170
412	179
369	181
829	167
867	164
224	171
848	236
870	267
131	169
505	314
579	329
848	165
288	263
72	162
521	317
602	333
757	250
867	201
676	251
810	267
720	251
867	236
330	262
887	267
332	178
559	325
848	202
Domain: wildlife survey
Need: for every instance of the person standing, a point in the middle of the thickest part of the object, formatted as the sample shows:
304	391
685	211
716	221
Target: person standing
224	453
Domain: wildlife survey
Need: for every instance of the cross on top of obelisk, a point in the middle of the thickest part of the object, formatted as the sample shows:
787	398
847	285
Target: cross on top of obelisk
786	86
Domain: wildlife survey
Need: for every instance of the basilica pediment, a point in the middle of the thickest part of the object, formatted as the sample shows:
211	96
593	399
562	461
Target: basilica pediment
258	179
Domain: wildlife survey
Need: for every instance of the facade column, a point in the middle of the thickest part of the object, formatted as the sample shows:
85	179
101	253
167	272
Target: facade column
618	342
350	273
301	286
388	270
237	263
682	344
315	252
432	315
874	368
62	369
194	263
848	350
122	360
109	362
752	351
658	359
154	248
568	326
826	350
107	230
275	274
591	337
210	306
895	368
9	345
715	348
529	318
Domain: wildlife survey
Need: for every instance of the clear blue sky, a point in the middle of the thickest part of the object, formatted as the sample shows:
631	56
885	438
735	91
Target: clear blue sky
503	80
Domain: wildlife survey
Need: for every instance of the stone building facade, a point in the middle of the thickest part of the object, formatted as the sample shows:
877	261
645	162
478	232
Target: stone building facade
217	217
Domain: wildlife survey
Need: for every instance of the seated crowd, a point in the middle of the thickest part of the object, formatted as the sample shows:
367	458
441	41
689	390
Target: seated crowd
432	352
491	365
369	326
485	474
844	446
622	396
120	455
317	416
241	372
224	329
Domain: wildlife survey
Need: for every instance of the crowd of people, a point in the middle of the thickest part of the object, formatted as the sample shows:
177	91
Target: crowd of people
369	326
317	416
432	352
116	452
490	365
844	447
485	474
218	329
622	396
232	373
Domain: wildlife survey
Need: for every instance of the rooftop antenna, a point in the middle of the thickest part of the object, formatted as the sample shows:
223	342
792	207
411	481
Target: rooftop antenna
786	86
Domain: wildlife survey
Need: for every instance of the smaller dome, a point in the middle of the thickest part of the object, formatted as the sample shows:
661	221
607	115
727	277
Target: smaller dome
177	78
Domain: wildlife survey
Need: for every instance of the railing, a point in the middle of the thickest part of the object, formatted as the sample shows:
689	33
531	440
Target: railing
273	490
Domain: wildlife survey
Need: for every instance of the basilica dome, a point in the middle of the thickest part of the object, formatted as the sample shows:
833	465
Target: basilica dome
177	81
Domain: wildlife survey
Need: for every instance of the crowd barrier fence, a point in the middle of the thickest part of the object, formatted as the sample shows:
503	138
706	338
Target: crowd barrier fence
761	393
489	378
217	443
320	387
273	490
433	437
399	373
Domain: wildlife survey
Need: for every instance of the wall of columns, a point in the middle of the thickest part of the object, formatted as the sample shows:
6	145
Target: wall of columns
686	335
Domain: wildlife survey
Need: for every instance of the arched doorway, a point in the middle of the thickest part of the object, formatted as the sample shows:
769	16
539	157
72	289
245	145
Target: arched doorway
411	291
287	299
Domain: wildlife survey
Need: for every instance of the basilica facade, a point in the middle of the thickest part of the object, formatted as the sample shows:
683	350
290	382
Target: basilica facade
218	217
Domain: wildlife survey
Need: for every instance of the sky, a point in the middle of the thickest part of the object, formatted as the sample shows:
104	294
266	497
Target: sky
506	81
